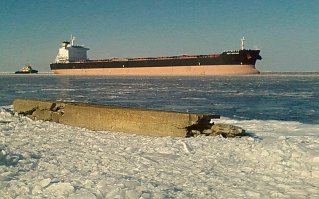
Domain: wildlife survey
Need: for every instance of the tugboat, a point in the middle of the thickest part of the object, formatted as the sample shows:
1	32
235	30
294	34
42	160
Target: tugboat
27	69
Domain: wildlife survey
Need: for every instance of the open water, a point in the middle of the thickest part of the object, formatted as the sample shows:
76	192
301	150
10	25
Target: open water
282	97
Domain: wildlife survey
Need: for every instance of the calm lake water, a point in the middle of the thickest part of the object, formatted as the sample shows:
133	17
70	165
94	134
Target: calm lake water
282	97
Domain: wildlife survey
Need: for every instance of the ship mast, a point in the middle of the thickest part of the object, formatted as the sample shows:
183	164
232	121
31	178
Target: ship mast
242	43
72	40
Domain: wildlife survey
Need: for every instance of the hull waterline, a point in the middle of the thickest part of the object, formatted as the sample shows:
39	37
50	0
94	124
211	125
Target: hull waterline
173	70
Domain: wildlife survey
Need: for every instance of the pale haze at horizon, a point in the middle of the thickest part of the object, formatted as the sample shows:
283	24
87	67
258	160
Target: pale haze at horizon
287	32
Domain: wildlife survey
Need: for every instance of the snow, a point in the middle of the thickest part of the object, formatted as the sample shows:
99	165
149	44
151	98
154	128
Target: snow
48	160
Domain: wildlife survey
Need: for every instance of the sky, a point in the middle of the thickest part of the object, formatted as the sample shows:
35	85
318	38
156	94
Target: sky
286	31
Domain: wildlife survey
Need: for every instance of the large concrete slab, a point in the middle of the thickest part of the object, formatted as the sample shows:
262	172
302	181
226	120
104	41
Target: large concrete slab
113	118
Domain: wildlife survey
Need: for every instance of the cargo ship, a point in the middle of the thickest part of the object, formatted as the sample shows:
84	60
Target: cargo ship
72	60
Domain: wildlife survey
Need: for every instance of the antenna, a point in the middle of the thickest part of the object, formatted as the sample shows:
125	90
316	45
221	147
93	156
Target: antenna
72	40
242	43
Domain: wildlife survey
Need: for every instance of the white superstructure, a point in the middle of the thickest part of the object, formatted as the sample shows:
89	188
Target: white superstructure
242	46
71	53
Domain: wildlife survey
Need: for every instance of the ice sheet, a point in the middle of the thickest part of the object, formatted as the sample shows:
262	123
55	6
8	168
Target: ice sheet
44	159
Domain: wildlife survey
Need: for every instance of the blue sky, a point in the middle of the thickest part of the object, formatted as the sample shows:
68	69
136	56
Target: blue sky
286	31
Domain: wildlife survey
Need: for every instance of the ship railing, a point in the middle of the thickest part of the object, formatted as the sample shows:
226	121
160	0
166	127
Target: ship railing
151	58
174	57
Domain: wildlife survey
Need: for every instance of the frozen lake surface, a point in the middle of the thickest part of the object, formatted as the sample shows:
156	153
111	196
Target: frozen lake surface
279	160
49	160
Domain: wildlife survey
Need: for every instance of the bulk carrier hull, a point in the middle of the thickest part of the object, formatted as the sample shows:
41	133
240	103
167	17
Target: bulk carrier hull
167	71
240	62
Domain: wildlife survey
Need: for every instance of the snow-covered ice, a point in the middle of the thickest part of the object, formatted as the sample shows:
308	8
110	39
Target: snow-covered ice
49	160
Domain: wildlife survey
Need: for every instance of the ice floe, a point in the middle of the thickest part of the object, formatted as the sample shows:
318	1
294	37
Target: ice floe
48	160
